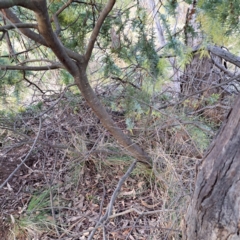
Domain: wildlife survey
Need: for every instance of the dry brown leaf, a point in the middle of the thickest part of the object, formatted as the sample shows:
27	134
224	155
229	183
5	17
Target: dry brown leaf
133	193
9	187
149	205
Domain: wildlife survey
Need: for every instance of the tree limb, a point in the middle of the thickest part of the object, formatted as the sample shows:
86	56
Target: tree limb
229	57
97	27
45	29
12	3
31	68
61	9
17	25
37	37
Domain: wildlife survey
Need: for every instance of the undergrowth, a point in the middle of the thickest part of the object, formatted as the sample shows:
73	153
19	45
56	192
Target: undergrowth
77	165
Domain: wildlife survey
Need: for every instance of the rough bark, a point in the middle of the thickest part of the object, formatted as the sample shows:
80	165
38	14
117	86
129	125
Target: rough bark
200	74
214	211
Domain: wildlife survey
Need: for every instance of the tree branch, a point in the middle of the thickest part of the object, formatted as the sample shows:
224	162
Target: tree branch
8	42
45	29
17	25
37	37
61	9
25	159
27	32
31	68
58	28
12	3
108	213
97	27
229	57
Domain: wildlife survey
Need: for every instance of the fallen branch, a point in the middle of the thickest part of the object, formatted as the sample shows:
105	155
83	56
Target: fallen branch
25	159
106	216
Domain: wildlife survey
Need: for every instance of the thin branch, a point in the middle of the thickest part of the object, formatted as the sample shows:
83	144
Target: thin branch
116	192
229	57
221	67
62	94
126	82
8	42
39	60
118	188
37	37
18	25
138	212
25	159
32	83
57	24
31	68
98	25
68	3
19	53
210	107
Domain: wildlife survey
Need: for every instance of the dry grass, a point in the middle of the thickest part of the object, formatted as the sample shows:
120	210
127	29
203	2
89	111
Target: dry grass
69	179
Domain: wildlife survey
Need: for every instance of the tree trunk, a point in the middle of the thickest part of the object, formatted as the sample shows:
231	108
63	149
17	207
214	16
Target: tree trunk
214	211
132	148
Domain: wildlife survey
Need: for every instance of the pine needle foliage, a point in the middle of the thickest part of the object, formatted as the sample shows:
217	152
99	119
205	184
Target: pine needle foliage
226	12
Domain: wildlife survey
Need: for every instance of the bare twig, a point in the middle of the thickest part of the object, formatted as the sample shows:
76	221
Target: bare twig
113	198
17	25
101	205
62	94
221	67
61	9
31	68
25	159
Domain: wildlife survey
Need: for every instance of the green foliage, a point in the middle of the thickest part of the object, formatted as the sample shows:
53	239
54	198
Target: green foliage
66	77
38	201
110	67
130	124
36	218
133	102
224	12
200	138
215	31
171	7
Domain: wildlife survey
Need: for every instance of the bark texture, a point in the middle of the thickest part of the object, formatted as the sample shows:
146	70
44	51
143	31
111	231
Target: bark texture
201	74
214	211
